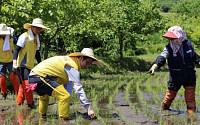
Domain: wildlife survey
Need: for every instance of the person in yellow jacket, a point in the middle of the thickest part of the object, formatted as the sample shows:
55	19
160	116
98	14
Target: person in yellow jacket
26	51
7	40
57	76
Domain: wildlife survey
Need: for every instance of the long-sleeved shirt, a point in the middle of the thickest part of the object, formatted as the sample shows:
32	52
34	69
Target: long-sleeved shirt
75	83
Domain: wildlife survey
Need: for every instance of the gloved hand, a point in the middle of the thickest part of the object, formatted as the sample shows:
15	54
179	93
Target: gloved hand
14	68
151	71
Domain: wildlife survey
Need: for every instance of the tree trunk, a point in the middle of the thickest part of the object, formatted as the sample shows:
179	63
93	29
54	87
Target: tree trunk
121	47
47	42
46	50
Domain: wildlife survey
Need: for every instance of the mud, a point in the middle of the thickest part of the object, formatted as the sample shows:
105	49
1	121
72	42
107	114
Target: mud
10	113
130	115
147	112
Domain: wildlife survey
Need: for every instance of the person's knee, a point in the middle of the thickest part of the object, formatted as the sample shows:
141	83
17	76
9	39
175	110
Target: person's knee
44	98
60	93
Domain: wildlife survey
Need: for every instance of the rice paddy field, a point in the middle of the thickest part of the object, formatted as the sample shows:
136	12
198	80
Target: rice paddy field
132	98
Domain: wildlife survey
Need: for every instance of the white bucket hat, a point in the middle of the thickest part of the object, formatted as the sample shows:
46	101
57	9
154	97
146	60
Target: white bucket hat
5	30
36	22
86	52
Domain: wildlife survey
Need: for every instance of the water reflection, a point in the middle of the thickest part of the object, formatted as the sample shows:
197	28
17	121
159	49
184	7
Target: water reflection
6	119
16	117
2	118
113	115
23	115
43	121
170	119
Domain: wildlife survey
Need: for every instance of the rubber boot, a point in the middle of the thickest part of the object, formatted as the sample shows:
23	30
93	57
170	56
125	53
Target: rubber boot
29	96
190	99
21	96
15	83
43	104
3	86
169	97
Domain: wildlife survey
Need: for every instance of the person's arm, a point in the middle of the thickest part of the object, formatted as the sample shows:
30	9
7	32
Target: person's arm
20	44
160	61
15	55
37	56
14	39
195	56
16	51
74	79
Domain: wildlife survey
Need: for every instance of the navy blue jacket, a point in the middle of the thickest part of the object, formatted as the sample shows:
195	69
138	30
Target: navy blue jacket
181	67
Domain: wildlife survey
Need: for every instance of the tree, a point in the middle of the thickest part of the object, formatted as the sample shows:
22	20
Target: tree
111	27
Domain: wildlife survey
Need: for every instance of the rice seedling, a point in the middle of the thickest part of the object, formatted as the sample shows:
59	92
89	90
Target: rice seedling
142	93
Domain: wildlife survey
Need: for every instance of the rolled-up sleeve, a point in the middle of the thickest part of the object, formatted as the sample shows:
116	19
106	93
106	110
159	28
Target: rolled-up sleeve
74	77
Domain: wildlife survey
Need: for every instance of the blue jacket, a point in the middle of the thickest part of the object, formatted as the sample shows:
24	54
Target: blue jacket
181	66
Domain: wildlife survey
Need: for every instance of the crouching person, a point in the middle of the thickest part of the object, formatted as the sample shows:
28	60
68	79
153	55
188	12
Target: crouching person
57	76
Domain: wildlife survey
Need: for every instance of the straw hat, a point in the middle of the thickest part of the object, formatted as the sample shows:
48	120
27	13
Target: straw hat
86	52
5	30
36	22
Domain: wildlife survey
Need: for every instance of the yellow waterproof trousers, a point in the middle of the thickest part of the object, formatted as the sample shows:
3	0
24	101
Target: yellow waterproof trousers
63	97
43	104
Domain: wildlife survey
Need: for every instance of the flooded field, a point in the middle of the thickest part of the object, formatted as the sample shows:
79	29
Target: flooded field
128	99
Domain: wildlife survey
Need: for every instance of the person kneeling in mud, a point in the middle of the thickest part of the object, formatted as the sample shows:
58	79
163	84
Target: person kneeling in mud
180	55
57	76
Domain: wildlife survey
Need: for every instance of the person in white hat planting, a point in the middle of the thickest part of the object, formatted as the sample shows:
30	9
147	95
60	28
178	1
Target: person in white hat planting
26	51
57	76
7	40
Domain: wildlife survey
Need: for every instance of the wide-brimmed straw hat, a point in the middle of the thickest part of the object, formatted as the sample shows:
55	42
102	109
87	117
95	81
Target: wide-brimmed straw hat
86	52
5	30
36	22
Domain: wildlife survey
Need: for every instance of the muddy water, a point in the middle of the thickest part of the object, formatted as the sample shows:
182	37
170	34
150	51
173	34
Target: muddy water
150	106
141	110
19	115
22	115
130	115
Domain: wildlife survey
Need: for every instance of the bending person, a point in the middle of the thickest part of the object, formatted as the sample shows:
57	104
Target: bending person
57	76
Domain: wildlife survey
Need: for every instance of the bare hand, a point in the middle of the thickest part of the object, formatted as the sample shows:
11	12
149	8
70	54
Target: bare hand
91	113
151	71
